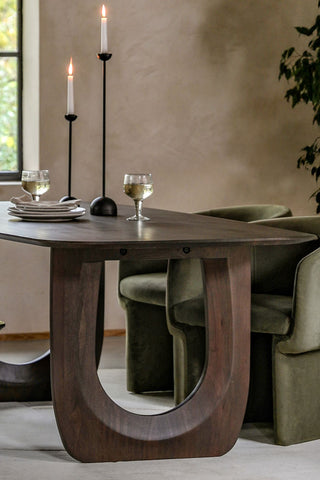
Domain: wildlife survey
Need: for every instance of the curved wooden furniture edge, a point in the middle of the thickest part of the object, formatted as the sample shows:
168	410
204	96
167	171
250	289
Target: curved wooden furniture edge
28	381
92	427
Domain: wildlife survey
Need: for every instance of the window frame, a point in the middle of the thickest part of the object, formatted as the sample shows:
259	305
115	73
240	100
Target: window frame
16	175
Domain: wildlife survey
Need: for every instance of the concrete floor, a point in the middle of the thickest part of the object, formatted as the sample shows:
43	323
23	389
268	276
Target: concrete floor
30	446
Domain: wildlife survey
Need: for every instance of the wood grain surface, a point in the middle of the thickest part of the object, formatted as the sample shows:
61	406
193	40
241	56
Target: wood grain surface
164	229
92	427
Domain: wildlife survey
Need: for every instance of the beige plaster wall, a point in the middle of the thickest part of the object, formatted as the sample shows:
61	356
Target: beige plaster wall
193	97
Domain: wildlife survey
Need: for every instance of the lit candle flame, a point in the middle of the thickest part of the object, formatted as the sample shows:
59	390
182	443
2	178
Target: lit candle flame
70	69
104	11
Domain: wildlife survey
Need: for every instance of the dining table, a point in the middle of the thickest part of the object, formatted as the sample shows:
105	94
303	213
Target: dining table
93	428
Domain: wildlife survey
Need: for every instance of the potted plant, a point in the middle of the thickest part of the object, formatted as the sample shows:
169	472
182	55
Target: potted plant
302	70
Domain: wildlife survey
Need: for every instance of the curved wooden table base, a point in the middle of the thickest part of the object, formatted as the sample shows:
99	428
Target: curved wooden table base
30	381
92	427
26	382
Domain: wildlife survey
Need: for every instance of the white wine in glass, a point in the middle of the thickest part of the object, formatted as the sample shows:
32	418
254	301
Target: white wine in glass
35	182
138	186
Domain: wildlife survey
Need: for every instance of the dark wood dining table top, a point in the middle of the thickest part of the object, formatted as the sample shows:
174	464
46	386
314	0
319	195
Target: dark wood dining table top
165	228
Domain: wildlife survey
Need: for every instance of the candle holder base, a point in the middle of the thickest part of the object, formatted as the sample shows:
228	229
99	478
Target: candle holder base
71	117
66	198
104	56
103	206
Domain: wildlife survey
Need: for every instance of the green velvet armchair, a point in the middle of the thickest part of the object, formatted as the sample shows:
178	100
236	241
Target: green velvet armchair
285	338
142	294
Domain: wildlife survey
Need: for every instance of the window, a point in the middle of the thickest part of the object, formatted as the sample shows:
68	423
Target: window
10	89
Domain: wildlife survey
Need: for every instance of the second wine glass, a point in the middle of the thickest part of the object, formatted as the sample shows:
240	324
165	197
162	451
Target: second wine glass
138	186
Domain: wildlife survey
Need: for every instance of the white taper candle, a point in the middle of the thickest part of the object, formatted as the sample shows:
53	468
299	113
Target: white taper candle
70	93
104	30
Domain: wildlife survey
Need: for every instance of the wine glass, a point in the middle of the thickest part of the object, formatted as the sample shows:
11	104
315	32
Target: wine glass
35	182
138	186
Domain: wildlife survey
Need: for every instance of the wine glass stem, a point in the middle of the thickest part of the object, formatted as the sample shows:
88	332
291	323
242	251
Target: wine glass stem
36	198
138	207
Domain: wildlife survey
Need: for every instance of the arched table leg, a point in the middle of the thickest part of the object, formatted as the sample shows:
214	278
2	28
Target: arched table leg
92	427
30	381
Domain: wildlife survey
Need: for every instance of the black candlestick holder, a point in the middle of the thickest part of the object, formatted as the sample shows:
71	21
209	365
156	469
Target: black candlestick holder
103	206
71	118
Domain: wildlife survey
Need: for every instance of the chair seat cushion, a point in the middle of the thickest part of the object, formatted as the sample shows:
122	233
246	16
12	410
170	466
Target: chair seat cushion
269	313
145	288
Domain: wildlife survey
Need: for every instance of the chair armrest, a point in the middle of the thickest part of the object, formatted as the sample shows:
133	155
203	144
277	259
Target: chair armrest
305	333
133	267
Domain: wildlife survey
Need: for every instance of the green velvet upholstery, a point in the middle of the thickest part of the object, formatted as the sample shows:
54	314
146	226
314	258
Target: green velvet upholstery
145	288
149	354
149	350
142	293
285	324
269	313
249	213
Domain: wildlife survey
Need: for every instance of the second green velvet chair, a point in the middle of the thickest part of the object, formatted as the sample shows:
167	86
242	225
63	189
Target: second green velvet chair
285	325
142	294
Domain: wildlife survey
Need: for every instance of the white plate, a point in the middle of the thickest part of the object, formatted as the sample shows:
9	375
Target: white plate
44	207
53	208
47	216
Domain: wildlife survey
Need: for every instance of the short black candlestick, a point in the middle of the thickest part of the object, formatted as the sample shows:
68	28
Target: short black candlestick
71	118
103	206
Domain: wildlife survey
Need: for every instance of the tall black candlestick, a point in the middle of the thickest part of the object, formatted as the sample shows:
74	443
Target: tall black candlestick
104	205
71	118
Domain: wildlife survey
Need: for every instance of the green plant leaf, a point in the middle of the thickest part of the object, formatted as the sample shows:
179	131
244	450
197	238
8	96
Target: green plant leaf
314	44
316	118
287	53
284	70
306	31
303	74
294	95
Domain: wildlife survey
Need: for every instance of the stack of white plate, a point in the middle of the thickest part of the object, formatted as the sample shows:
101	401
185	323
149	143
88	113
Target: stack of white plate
46	211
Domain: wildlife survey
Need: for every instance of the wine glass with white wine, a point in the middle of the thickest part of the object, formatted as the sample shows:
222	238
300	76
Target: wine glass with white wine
138	186
35	182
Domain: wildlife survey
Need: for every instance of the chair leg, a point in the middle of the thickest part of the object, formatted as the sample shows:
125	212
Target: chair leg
260	404
149	348
189	358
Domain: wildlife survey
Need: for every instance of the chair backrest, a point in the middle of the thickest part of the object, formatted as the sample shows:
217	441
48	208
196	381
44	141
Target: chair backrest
249	213
189	271
274	266
307	224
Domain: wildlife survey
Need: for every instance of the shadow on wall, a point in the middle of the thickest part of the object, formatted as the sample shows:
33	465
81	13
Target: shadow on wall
243	42
245	25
